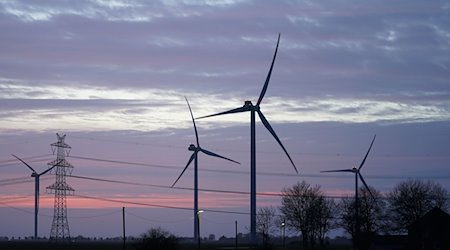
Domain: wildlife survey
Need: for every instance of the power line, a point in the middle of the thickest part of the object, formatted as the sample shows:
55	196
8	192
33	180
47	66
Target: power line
307	175
20	181
337	154
17	208
131	202
184	188
48	216
164	186
124	162
125	142
191	189
33	159
157	205
13	179
15	182
24	158
14	199
174	167
147	219
116	211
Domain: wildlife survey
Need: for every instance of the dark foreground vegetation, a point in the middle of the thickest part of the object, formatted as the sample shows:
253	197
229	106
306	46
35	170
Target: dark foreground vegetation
116	245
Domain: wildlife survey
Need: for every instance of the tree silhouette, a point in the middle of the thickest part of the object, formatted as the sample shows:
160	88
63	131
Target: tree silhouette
265	223
308	211
158	239
411	199
371	216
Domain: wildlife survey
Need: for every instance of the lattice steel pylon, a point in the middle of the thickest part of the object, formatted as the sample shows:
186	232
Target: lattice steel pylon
60	226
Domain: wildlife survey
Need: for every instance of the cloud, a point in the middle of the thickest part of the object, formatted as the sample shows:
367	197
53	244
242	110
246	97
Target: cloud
83	108
349	110
117	10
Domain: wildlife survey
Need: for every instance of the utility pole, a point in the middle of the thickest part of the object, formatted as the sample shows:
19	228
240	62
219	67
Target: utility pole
60	226
284	233
123	227
236	234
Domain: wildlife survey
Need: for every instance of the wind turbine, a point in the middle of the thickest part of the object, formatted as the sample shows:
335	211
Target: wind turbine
357	172
36	192
248	106
194	157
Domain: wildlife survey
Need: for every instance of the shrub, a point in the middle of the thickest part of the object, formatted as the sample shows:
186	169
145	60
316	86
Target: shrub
158	238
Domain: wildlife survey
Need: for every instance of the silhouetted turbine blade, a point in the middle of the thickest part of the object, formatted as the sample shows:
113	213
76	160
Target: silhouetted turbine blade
187	165
231	111
51	168
216	155
364	160
25	164
338	171
365	184
263	92
193	121
267	125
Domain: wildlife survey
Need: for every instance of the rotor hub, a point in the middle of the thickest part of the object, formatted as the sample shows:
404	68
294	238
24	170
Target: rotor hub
192	147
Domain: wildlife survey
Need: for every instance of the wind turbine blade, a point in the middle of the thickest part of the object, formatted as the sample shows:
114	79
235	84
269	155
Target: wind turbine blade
267	125
365	184
193	121
25	164
216	155
231	111
338	171
364	160
46	171
187	165
59	162
263	91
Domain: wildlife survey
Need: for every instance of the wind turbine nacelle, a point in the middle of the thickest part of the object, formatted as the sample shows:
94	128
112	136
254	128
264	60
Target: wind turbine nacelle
34	175
248	104
192	147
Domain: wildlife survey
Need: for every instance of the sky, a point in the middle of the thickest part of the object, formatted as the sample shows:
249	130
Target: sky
112	76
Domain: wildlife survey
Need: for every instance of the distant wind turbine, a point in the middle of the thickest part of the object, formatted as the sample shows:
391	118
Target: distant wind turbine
36	192
357	172
248	106
194	157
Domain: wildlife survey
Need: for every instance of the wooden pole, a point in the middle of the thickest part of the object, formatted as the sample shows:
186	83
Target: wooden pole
123	227
236	234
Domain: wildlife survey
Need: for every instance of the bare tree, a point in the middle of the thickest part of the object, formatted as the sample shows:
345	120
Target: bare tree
371	216
324	217
411	199
265	223
158	238
306	210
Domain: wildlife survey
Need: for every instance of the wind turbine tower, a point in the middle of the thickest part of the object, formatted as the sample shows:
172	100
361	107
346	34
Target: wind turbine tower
357	172
253	109
194	157
60	225
36	177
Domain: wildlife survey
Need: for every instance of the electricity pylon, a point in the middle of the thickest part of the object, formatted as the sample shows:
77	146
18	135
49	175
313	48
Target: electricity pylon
60	226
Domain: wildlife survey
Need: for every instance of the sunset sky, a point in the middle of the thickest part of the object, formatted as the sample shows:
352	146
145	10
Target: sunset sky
112	76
